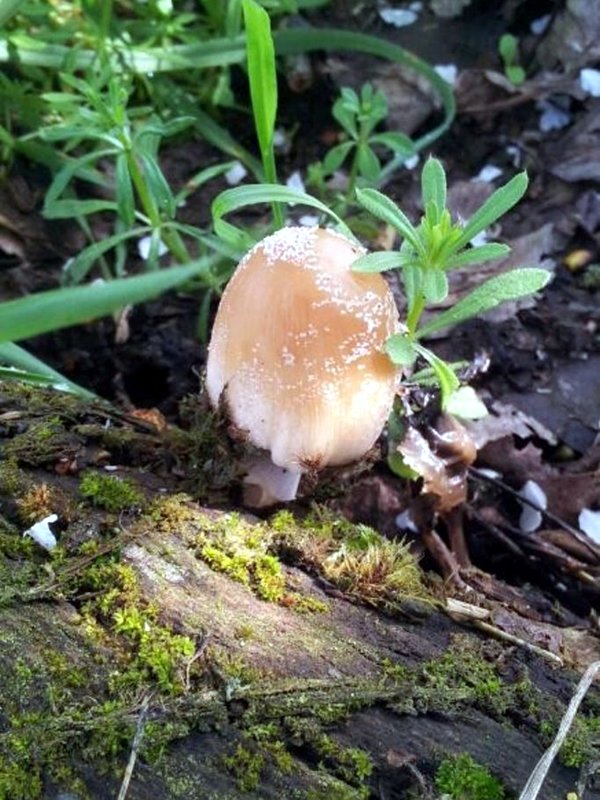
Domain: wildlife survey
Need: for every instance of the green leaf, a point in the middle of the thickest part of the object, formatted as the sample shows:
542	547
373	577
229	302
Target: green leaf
494	207
346	117
508	286
368	163
508	47
42	373
77	269
378	262
9	8
433	187
261	71
398	142
336	156
252	194
67	209
434	285
447	380
385	209
411	276
401	349
60	308
478	255
515	74
124	186
465	404
158	185
200	178
75	168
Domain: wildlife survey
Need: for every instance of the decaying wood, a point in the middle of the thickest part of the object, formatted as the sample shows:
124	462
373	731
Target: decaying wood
350	699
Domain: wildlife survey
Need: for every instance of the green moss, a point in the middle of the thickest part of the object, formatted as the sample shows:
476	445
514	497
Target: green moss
43	442
109	492
19	779
355	558
462	674
12	478
246	766
582	743
152	652
462	778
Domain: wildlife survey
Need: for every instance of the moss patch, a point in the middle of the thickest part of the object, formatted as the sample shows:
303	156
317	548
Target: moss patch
357	559
109	492
461	778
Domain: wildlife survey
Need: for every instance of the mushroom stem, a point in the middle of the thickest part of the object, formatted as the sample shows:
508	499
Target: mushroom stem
267	484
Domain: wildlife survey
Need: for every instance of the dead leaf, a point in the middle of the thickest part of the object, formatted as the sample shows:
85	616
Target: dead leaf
504	420
573	39
576	156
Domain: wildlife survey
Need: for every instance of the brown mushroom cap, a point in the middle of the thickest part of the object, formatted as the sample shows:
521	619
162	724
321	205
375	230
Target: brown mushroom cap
297	350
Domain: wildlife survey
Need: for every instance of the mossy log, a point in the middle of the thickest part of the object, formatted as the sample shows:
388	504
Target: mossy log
225	657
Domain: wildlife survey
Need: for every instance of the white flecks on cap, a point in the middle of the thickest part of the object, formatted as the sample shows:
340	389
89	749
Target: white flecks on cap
297	350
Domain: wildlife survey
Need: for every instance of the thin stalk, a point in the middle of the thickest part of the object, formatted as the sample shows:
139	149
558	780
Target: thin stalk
270	170
414	314
171	238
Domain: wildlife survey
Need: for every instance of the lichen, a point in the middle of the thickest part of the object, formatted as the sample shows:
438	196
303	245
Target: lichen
461	778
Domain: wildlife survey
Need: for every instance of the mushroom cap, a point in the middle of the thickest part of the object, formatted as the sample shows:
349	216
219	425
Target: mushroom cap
297	352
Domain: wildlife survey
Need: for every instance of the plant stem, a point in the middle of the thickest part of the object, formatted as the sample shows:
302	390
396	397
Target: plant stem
270	170
415	314
171	238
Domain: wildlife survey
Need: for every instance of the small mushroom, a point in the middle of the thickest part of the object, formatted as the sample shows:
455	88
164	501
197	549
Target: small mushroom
297	359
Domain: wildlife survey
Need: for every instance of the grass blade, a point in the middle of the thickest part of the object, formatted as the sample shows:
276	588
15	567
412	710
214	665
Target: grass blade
263	87
38	371
251	194
60	308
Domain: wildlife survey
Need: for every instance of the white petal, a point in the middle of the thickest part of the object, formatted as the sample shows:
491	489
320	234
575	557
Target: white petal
589	522
531	519
590	81
236	174
41	533
488	173
398	17
448	72
295	182
539	25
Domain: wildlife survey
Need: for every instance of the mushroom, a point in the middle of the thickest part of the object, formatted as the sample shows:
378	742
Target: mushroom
297	356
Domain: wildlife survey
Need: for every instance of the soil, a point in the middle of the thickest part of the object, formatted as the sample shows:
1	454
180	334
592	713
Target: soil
537	366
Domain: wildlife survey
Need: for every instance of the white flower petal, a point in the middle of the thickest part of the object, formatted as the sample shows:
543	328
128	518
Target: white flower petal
531	519
590	81
589	523
236	174
41	533
488	173
448	72
398	17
